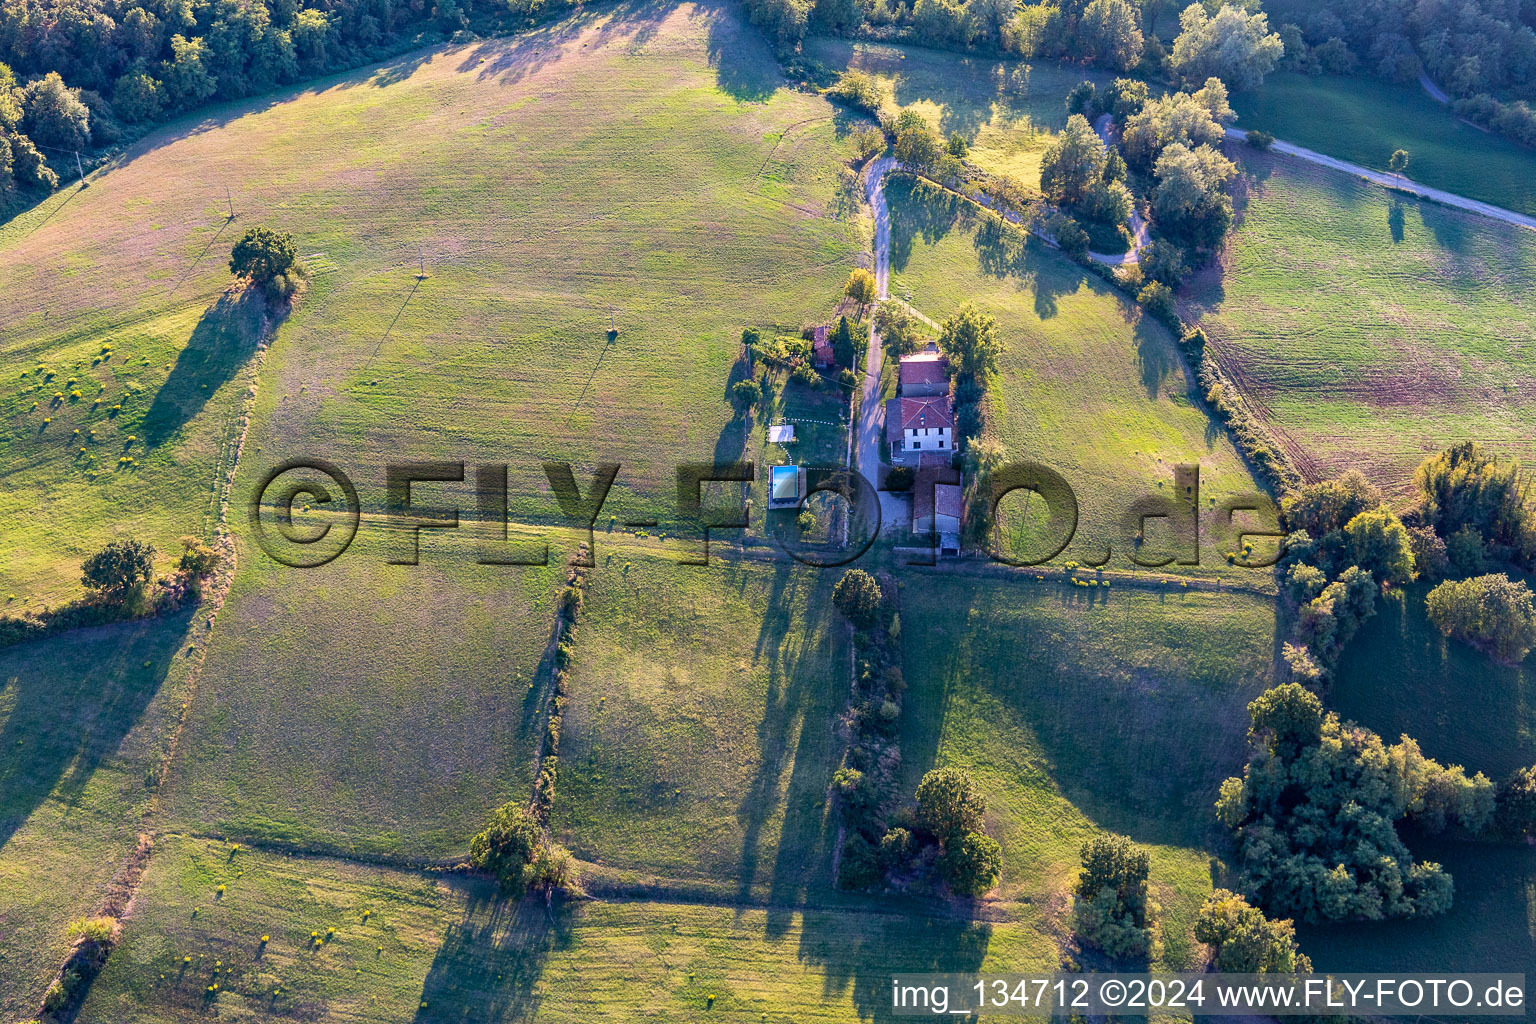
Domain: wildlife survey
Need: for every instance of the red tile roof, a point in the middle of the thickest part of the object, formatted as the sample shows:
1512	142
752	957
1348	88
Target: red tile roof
906	413
923	368
929	411
936	487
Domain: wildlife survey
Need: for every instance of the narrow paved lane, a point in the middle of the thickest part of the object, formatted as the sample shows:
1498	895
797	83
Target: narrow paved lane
1139	239
872	409
1395	181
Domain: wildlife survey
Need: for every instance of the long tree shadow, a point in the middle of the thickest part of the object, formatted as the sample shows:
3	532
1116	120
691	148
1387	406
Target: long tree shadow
919	210
1010	252
224	338
72	699
745	69
488	966
863	958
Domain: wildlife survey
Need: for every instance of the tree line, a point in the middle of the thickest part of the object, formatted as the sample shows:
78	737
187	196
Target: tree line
1477	50
76	74
1313	816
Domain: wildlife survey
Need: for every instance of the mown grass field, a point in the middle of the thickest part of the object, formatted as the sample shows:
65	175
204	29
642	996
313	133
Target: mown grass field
636	158
1371	330
167	395
368	707
1364	119
1006	110
1087	385
1118	710
700	739
638	163
84	722
445	949
639	157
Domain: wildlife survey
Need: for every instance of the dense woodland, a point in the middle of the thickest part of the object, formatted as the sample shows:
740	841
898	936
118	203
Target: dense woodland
1482	52
76	74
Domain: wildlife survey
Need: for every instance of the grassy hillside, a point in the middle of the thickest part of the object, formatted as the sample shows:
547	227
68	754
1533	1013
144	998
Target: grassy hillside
1363	120
1122	710
638	163
1006	110
637	157
1371	330
84	722
443	949
1088	386
700	736
385	709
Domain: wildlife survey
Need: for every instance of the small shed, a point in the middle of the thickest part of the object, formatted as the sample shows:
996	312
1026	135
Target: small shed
781	433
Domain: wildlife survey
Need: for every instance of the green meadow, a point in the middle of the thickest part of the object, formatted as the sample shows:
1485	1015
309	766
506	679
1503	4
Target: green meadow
1087	385
85	719
638	168
354	942
1080	712
366	707
1364	119
1369	329
700	735
1006	110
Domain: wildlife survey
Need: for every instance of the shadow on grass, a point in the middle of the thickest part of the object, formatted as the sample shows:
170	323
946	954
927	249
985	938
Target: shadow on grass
745	70
921	211
800	707
73	698
488	966
1007	252
862	959
222	341
1100	721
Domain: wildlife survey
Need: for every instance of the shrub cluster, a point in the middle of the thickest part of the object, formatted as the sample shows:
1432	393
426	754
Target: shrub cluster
1313	815
1244	941
1110	909
1345	545
1516	120
119	590
1491	612
93	939
571	600
864	784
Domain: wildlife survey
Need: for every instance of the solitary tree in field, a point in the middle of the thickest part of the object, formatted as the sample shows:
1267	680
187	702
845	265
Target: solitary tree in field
118	569
746	393
263	255
970	340
858	597
1398	161
861	286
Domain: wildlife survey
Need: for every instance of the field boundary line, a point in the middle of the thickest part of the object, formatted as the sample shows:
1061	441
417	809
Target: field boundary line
123	890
